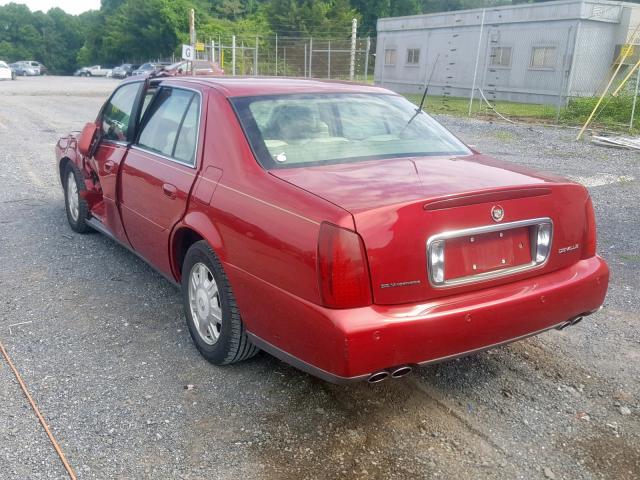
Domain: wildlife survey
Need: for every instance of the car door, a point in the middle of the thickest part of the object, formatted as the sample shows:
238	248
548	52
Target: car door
159	171
116	122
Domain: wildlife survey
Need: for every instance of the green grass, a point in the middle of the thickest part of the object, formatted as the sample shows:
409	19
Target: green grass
460	107
503	135
614	114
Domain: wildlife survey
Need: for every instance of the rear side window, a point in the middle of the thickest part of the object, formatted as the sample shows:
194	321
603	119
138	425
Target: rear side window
171	125
117	113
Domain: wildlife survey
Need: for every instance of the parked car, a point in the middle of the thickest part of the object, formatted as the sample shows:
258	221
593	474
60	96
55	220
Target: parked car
333	225
23	69
147	68
37	67
93	71
200	67
6	73
124	70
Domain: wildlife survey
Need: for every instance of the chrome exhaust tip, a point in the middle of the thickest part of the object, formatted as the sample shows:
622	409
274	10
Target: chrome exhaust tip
571	322
378	377
563	325
576	320
401	371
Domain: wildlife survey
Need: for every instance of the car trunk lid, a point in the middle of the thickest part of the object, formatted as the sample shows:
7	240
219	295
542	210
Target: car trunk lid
399	205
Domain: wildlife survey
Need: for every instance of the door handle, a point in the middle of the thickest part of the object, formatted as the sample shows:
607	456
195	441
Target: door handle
108	166
169	190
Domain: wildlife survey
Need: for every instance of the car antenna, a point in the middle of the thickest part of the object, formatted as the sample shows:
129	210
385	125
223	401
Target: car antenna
424	94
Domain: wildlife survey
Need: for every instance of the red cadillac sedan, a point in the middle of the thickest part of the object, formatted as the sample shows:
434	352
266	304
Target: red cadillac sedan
333	225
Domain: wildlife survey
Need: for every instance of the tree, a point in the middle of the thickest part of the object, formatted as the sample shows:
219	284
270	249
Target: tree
310	18
52	38
143	29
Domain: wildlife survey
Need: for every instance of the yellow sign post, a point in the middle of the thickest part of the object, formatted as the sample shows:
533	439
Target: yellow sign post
199	47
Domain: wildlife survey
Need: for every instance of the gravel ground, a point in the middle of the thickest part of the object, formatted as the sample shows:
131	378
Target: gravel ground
104	349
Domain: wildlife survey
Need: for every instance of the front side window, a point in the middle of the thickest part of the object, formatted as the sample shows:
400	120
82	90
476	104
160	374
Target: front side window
116	115
390	56
300	130
501	56
171	124
413	56
543	57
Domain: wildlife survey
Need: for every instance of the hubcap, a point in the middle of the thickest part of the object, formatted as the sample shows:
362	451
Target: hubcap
204	302
72	196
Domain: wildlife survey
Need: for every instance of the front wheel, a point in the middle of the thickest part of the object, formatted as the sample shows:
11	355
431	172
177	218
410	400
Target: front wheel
212	314
76	206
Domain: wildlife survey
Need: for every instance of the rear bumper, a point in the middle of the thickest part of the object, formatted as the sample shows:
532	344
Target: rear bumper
347	345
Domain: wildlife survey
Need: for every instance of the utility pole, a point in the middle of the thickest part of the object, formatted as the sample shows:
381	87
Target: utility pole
310	55
255	59
192	32
352	64
233	55
329	60
635	100
366	60
475	70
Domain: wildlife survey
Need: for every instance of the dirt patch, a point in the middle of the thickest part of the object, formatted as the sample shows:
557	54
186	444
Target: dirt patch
610	455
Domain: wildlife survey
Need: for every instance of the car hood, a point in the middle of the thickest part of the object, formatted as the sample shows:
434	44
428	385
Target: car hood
369	185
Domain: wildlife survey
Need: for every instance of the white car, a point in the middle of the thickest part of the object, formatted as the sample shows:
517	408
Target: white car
5	72
93	71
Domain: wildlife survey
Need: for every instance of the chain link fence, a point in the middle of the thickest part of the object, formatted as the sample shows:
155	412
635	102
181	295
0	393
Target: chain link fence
551	75
326	58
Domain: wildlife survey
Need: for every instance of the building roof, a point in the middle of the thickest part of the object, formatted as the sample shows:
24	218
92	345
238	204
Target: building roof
594	10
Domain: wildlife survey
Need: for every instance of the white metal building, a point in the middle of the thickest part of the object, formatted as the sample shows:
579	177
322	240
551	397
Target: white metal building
538	53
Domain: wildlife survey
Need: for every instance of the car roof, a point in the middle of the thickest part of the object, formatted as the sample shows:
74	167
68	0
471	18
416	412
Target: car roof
253	86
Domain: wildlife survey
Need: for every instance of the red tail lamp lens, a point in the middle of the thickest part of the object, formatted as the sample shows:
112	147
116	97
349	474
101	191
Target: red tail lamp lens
342	268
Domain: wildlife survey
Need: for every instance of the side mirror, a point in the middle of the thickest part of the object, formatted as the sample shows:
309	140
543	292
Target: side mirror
87	137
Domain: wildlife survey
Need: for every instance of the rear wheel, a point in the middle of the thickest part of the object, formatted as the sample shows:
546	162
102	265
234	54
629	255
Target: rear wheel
212	314
76	206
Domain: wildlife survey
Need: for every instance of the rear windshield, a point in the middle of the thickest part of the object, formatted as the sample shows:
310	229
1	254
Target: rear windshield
287	131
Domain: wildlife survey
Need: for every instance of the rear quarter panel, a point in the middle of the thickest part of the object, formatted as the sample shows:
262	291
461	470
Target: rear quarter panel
263	229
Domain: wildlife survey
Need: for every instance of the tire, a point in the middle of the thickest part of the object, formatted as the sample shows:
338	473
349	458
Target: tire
231	344
77	213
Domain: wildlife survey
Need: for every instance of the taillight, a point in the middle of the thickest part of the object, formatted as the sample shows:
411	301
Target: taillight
590	233
343	273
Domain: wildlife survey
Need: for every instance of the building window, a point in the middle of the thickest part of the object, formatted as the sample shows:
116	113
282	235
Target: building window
500	56
543	57
390	56
413	56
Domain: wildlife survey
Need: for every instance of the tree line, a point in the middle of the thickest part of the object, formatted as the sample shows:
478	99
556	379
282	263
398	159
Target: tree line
124	30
